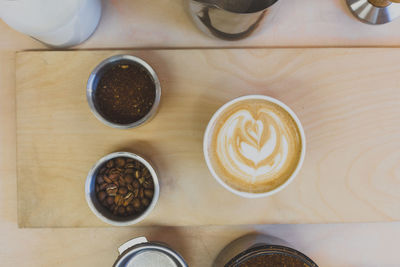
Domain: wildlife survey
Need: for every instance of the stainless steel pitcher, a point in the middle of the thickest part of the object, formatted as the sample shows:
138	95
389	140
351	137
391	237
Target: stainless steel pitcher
229	19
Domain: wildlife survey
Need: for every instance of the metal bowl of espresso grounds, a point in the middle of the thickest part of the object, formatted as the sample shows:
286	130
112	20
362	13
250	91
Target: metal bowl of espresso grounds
123	92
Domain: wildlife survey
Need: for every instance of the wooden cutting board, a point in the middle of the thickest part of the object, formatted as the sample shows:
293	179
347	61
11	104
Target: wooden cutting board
347	99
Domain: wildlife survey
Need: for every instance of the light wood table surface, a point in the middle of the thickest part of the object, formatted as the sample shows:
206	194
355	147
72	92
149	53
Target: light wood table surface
162	23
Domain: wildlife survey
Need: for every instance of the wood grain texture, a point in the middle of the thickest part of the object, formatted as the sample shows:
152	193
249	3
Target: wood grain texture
338	245
347	100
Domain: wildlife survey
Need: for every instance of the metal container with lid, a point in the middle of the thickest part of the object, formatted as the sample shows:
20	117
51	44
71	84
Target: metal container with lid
140	252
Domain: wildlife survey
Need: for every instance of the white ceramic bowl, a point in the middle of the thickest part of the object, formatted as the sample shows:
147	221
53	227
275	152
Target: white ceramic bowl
208	135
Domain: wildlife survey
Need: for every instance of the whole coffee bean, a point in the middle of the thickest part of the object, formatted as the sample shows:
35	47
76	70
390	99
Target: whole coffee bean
130	187
110	200
107	180
130	165
145	202
135	184
137	174
136	192
103	186
148	193
112	186
141	180
121	201
110	163
129	171
123	190
97	188
128	199
130	209
99	179
136	204
128	178
113	176
147	177
121	210
115	211
118	200
115	171
102	170
141	193
120	162
121	181
101	195
129	160
111	189
148	184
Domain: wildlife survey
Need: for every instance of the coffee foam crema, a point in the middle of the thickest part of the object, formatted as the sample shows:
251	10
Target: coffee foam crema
255	145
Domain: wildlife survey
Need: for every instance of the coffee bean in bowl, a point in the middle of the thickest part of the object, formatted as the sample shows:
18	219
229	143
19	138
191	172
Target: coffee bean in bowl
122	188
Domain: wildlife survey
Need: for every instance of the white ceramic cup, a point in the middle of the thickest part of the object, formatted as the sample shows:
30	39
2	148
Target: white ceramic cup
209	133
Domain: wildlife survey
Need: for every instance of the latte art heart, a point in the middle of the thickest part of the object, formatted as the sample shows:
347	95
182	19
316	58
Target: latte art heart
256	145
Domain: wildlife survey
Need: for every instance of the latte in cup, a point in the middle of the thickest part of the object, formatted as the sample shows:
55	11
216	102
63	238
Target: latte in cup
254	145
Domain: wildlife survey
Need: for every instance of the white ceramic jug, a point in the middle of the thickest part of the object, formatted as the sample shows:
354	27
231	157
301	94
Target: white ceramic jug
57	23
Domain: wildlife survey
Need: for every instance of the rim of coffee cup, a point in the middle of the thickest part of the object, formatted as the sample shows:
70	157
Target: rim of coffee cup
208	132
